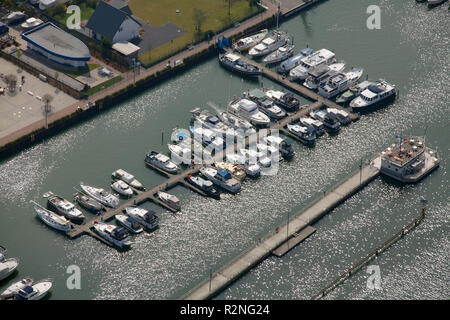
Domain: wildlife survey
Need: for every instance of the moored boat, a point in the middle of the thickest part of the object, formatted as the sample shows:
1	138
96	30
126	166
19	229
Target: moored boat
269	44
170	199
319	57
294	61
15	287
63	207
122	188
339	82
322	73
162	162
204	185
373	97
265	105
281	54
127	178
304	134
222	178
116	236
237	172
35	292
249	42
101	195
286	100
129	223
147	218
51	219
7	267
234	63
249	110
88	203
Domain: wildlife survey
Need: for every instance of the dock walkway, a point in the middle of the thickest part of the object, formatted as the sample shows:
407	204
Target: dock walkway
236	268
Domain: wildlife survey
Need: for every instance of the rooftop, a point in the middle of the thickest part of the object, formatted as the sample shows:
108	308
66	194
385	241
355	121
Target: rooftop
402	153
58	42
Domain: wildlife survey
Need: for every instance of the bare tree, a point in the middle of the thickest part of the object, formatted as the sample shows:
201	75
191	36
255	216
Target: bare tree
47	99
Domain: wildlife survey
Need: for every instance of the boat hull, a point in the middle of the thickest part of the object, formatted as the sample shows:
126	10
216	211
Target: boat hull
375	106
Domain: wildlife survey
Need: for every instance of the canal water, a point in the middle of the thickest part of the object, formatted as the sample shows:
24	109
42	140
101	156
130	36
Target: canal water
410	50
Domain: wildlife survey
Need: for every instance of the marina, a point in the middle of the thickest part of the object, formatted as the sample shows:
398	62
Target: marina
249	215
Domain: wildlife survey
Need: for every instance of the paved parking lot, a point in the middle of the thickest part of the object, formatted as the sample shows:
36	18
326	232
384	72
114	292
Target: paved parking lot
24	107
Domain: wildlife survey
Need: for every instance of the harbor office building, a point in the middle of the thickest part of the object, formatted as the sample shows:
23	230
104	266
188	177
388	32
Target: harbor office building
57	45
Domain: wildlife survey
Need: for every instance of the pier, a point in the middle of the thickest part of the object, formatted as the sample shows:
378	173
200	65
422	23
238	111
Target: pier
269	245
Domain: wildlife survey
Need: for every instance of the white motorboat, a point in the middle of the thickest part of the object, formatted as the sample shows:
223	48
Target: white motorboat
249	42
204	185
249	110
269	44
222	178
265	104
101	195
162	162
130	223
329	120
321	73
122	188
238	124
15	287
169	199
147	218
35	292
294	61
339	83
286	150
7	267
317	124
184	140
117	236
281	54
204	119
63	207
127	178
304	134
342	115
31	23
52	219
284	99
322	56
373	97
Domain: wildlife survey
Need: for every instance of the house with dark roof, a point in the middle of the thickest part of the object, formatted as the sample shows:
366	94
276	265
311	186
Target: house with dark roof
113	20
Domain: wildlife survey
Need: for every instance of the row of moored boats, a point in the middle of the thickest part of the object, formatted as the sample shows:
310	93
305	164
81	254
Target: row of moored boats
317	70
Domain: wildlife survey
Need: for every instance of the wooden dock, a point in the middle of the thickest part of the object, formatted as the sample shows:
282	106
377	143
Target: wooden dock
265	247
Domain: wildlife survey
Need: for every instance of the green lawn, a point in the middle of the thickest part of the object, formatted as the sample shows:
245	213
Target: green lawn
103	85
159	12
89	68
